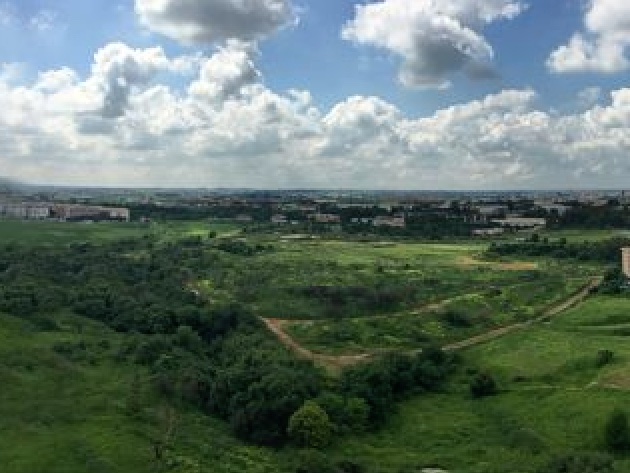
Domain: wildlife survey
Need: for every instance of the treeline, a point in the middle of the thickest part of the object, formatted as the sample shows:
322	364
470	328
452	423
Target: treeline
220	359
343	300
606	251
260	213
608	216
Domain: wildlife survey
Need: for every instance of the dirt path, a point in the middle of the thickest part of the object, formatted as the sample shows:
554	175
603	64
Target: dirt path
469	261
278	328
551	312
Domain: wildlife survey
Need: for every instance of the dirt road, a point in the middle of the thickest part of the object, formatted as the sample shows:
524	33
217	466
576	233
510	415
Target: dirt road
551	312
277	327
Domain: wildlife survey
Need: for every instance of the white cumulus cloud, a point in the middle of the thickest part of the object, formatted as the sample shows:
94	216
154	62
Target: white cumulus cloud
433	38
126	123
603	46
209	21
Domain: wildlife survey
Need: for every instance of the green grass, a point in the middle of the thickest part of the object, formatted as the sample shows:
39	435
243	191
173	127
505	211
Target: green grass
55	233
60	414
67	415
553	400
579	236
443	278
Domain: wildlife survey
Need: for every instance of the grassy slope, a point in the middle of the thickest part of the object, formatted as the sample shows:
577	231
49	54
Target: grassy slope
560	403
61	415
44	232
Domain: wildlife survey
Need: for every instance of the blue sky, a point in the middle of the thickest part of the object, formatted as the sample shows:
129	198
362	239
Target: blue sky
464	94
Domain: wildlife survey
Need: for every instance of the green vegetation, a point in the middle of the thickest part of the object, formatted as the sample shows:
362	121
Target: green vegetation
144	351
310	426
33	232
617	432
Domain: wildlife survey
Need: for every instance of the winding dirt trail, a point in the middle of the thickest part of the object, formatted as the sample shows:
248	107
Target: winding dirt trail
549	313
278	328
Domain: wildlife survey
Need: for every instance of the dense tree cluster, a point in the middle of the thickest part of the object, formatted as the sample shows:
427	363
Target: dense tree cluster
215	356
607	251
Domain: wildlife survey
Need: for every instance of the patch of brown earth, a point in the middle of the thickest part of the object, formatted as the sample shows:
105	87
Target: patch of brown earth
469	261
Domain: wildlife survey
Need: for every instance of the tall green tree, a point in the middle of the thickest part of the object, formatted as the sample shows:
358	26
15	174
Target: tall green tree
310	426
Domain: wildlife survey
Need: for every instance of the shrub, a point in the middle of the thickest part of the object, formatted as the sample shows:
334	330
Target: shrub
579	463
313	461
603	358
483	385
347	466
310	426
617	432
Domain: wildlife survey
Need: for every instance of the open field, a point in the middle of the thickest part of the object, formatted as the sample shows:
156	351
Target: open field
433	293
578	236
70	388
45	232
68	411
553	399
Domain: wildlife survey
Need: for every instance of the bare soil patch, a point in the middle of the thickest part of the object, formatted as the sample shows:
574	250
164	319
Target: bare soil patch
469	261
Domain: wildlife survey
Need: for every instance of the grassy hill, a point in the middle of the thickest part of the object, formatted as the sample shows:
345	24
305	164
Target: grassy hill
74	397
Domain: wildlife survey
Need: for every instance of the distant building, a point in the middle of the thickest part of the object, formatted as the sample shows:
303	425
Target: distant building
25	211
556	208
398	222
279	219
326	218
363	220
522	222
625	261
73	212
484	232
492	210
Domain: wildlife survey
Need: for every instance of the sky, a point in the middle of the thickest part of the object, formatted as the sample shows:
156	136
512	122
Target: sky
331	94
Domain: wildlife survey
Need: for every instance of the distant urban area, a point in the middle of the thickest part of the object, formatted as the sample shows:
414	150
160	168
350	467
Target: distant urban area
428	214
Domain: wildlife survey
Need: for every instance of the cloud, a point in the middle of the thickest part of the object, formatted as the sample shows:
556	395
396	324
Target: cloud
118	68
43	21
7	14
203	22
433	39
219	126
227	72
602	47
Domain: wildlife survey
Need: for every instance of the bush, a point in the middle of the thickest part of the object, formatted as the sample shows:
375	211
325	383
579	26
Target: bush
579	463
617	432
313	461
310	426
347	466
483	385
603	358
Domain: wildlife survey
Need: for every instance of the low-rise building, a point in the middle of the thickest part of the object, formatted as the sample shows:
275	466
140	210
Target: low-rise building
326	218
398	222
521	222
279	219
625	261
487	232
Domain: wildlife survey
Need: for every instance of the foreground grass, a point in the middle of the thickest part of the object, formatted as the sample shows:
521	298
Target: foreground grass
553	400
61	414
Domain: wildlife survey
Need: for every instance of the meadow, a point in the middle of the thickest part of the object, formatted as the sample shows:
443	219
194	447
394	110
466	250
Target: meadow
553	399
33	232
337	297
72	401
